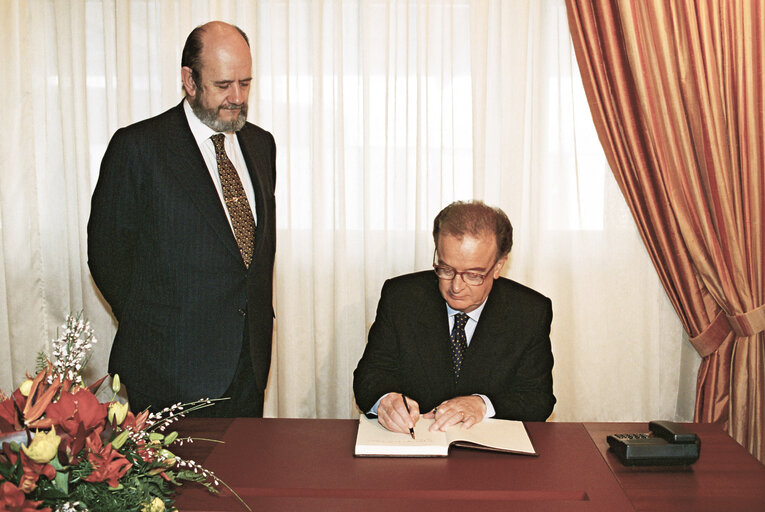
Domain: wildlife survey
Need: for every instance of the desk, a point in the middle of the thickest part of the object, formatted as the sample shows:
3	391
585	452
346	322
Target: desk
308	465
726	476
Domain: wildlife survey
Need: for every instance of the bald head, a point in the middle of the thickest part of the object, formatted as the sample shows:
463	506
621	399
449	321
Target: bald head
210	32
216	68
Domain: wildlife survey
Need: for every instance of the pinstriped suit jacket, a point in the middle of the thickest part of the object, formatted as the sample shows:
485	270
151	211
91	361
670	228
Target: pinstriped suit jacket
163	255
509	358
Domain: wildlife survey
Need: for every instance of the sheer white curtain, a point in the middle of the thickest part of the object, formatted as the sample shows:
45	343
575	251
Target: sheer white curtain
383	112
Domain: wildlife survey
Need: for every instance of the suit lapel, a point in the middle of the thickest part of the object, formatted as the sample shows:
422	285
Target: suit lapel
432	338
492	326
186	161
258	166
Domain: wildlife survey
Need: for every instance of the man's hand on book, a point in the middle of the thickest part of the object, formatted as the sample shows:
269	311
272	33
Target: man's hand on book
392	414
467	410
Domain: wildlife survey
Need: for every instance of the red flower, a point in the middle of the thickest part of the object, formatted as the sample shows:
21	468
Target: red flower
10	455
135	423
41	395
32	472
76	416
13	499
9	414
108	464
78	408
147	453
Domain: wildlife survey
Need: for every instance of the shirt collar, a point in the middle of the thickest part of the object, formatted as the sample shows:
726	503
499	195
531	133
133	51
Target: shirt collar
201	131
473	315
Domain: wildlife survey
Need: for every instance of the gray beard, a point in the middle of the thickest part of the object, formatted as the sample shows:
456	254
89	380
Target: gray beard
209	116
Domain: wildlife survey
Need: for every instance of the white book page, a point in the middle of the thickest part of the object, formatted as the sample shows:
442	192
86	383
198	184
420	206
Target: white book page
374	439
499	434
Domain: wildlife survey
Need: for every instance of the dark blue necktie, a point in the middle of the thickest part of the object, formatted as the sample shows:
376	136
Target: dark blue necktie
459	343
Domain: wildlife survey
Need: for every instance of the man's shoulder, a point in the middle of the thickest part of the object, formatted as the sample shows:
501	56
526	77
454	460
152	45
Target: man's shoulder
170	119
510	290
412	294
253	128
252	131
425	278
414	286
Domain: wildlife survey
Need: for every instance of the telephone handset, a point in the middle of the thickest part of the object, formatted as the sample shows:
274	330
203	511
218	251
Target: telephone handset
667	443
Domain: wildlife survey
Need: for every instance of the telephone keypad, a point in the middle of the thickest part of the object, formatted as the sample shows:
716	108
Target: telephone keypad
633	436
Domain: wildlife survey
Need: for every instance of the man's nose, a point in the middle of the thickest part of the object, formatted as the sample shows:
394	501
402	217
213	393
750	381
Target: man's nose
458	283
238	94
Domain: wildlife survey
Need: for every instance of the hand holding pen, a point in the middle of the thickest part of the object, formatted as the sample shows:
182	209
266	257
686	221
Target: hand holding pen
397	414
411	429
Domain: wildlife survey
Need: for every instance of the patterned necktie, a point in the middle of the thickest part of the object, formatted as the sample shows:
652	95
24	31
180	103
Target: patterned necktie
459	343
236	201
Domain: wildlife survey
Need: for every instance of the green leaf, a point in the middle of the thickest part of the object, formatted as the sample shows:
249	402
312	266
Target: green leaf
61	482
56	464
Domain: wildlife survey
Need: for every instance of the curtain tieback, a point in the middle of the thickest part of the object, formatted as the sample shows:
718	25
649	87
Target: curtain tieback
744	325
749	323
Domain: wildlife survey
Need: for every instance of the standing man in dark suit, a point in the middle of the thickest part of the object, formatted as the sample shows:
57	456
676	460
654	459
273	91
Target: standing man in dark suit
181	238
497	361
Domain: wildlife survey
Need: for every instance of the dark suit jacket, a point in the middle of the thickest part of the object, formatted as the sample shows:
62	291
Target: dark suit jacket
162	252
509	358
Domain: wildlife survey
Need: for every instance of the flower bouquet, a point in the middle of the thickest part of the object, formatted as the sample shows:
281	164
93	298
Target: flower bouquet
61	449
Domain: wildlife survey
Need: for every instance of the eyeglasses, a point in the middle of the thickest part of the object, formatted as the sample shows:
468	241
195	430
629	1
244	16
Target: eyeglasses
447	273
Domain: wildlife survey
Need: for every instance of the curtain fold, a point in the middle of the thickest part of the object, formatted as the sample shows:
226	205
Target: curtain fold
676	91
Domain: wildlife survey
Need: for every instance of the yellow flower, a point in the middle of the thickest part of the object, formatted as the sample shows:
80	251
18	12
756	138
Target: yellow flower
26	387
168	457
117	412
43	447
170	438
120	439
156	505
116	383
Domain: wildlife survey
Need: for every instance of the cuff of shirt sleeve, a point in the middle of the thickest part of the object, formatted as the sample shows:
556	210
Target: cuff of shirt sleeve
373	410
490	412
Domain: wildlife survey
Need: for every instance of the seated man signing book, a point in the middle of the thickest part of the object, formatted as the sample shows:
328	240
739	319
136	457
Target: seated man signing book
461	343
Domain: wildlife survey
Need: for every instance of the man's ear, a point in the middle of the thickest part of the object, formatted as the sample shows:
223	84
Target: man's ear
188	81
498	266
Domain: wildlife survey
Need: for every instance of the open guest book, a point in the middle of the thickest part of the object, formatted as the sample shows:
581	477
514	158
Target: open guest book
374	440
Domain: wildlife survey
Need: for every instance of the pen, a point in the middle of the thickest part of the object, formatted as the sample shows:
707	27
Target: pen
411	430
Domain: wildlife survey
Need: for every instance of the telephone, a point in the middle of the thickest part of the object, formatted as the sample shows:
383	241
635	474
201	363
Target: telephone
667	444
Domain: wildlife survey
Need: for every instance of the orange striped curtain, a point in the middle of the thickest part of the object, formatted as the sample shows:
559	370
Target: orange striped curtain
677	95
